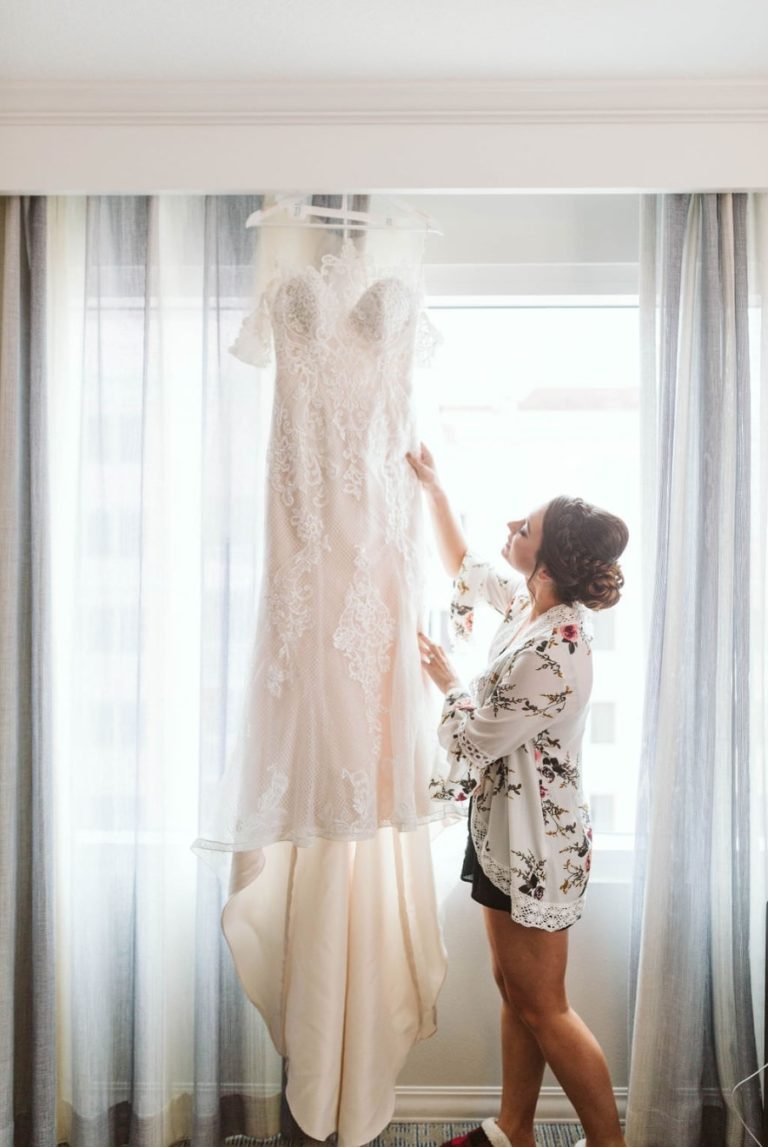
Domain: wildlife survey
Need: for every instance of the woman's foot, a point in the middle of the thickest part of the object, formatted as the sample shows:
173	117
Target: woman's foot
474	1138
488	1134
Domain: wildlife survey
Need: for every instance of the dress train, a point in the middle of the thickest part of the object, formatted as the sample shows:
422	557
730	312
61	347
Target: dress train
337	946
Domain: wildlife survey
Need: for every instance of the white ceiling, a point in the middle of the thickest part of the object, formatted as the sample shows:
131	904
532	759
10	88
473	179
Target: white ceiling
248	40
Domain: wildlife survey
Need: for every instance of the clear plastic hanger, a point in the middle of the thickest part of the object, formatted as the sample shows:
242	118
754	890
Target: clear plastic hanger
302	213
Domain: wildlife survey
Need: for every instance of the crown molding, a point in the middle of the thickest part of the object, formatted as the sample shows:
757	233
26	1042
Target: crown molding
266	103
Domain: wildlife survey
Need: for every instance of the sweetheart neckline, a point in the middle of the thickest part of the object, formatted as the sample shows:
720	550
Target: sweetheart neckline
313	274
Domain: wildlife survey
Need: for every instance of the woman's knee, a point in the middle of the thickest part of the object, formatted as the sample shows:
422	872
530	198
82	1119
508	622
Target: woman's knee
538	1013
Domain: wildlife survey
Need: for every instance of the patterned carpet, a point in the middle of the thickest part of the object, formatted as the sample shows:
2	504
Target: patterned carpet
425	1135
433	1134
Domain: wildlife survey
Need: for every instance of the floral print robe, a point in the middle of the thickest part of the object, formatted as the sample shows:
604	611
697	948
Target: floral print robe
513	741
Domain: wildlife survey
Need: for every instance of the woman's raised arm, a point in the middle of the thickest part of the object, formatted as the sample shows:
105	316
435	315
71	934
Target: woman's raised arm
450	539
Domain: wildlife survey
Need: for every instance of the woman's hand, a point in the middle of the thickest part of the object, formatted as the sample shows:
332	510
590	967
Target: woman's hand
435	661
423	466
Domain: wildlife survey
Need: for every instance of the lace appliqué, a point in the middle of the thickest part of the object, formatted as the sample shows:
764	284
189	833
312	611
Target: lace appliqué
362	793
295	465
267	813
428	339
351	813
289	596
383	311
364	634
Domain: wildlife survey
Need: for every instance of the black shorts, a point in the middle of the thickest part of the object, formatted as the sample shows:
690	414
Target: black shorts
483	890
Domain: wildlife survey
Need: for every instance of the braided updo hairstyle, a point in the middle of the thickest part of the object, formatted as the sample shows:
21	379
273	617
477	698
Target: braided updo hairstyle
580	547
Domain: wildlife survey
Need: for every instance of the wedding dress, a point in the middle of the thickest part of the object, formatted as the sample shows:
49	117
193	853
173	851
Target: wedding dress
325	803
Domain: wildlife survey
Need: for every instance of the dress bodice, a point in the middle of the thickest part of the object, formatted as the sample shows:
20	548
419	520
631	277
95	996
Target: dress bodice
347	309
307	307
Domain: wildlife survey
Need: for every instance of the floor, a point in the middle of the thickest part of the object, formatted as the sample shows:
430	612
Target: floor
433	1134
427	1135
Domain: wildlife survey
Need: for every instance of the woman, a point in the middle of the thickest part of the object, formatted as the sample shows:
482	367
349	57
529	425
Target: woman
514	744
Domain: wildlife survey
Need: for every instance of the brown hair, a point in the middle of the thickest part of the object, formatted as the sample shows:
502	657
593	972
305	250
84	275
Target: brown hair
580	547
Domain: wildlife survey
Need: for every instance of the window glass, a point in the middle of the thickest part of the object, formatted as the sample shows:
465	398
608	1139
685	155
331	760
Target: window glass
524	402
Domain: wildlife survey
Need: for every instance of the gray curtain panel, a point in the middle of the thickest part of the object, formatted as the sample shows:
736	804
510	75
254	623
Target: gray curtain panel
27	1048
693	1028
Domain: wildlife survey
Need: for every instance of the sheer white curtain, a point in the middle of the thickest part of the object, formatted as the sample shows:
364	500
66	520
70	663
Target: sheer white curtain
701	773
157	438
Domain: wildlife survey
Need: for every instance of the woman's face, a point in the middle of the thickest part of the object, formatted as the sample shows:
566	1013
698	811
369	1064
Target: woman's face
522	545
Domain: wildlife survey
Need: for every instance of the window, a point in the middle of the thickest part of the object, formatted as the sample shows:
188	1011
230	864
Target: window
603	723
537	399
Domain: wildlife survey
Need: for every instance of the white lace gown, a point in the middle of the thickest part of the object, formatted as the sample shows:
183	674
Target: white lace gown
325	804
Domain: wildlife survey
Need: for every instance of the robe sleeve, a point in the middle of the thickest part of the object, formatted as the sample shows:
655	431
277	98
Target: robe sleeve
478	581
254	340
530	693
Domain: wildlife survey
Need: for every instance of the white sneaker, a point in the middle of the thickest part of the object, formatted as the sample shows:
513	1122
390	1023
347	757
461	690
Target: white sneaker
581	1143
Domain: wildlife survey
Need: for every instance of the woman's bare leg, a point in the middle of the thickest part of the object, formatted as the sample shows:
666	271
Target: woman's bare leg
522	1065
531	965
